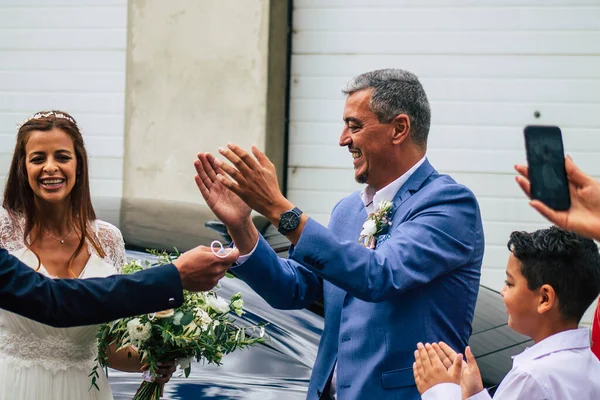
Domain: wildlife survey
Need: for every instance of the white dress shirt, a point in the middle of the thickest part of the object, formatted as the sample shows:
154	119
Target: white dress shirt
560	367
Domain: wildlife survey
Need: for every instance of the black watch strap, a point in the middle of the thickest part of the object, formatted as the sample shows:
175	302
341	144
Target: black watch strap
289	220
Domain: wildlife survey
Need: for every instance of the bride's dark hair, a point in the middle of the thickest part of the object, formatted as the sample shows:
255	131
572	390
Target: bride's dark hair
19	197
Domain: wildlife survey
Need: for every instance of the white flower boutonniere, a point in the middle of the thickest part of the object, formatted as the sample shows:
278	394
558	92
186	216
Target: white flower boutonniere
377	224
369	228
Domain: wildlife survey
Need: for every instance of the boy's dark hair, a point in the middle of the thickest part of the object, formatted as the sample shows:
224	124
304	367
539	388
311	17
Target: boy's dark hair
564	260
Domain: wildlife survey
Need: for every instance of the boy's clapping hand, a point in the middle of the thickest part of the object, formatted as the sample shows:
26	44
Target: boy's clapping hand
438	363
429	370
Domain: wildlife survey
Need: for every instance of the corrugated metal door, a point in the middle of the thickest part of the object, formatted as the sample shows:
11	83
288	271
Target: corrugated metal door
489	68
69	55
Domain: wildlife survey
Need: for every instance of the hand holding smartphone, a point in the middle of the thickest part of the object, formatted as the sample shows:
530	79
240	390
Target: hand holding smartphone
546	162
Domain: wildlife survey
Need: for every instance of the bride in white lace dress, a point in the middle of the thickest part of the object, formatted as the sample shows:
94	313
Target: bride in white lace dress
38	361
48	222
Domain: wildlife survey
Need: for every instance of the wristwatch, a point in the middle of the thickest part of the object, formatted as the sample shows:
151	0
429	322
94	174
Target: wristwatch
289	220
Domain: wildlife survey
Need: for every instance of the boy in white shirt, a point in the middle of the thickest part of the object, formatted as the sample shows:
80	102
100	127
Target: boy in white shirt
552	277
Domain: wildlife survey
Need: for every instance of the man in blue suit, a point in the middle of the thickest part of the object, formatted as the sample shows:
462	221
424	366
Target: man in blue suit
413	280
72	302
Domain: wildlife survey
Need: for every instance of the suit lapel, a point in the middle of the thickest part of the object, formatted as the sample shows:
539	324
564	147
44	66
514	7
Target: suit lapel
354	220
412	185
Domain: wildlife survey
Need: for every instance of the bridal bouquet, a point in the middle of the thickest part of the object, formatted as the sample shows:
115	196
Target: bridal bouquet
202	328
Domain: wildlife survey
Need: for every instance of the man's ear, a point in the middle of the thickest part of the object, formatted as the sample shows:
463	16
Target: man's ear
401	125
547	299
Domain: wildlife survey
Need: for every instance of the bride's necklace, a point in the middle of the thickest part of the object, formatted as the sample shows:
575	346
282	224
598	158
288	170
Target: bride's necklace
62	241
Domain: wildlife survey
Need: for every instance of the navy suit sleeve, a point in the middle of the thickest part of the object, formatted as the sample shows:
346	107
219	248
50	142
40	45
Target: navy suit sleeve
440	236
73	302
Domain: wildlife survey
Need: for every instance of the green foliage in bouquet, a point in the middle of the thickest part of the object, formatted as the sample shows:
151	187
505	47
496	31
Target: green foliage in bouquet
202	328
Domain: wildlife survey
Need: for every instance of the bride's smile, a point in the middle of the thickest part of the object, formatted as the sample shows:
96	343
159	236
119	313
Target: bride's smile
51	164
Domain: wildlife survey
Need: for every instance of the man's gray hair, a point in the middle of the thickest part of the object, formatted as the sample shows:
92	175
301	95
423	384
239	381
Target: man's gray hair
395	92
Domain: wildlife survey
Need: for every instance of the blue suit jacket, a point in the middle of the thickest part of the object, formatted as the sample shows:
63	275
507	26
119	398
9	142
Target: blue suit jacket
419	286
71	302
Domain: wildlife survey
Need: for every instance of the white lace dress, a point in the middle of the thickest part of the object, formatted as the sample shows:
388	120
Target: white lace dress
38	361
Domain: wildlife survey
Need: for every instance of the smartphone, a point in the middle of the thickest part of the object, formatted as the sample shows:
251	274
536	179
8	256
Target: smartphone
546	160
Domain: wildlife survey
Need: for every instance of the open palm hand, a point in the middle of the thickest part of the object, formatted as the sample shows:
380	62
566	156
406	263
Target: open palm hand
470	377
430	370
226	205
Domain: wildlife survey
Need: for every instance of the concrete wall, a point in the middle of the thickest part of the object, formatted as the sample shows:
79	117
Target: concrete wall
198	76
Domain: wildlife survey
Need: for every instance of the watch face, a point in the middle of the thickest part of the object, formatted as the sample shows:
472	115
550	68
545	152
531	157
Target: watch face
288	220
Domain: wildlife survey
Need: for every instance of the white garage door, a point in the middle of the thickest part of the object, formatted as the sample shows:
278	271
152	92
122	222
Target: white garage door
487	66
68	55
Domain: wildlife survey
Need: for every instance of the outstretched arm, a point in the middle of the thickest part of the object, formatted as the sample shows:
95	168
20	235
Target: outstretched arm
282	283
73	302
440	236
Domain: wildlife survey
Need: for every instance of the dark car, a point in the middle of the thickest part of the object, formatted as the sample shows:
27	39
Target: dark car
281	367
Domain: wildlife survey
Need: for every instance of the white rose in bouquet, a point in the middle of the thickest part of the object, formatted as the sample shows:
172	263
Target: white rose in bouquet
203	319
217	304
138	331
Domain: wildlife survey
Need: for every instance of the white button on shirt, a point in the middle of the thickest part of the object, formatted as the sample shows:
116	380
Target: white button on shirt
560	367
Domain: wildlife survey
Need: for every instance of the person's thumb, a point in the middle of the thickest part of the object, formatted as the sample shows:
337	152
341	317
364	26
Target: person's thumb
471	359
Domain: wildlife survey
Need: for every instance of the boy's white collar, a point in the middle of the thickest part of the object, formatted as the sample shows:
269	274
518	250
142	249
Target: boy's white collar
566	340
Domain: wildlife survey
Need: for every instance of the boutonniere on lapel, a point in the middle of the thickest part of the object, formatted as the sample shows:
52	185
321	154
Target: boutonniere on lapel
374	230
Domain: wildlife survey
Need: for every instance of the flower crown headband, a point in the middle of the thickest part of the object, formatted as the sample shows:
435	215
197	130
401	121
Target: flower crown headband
46	115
